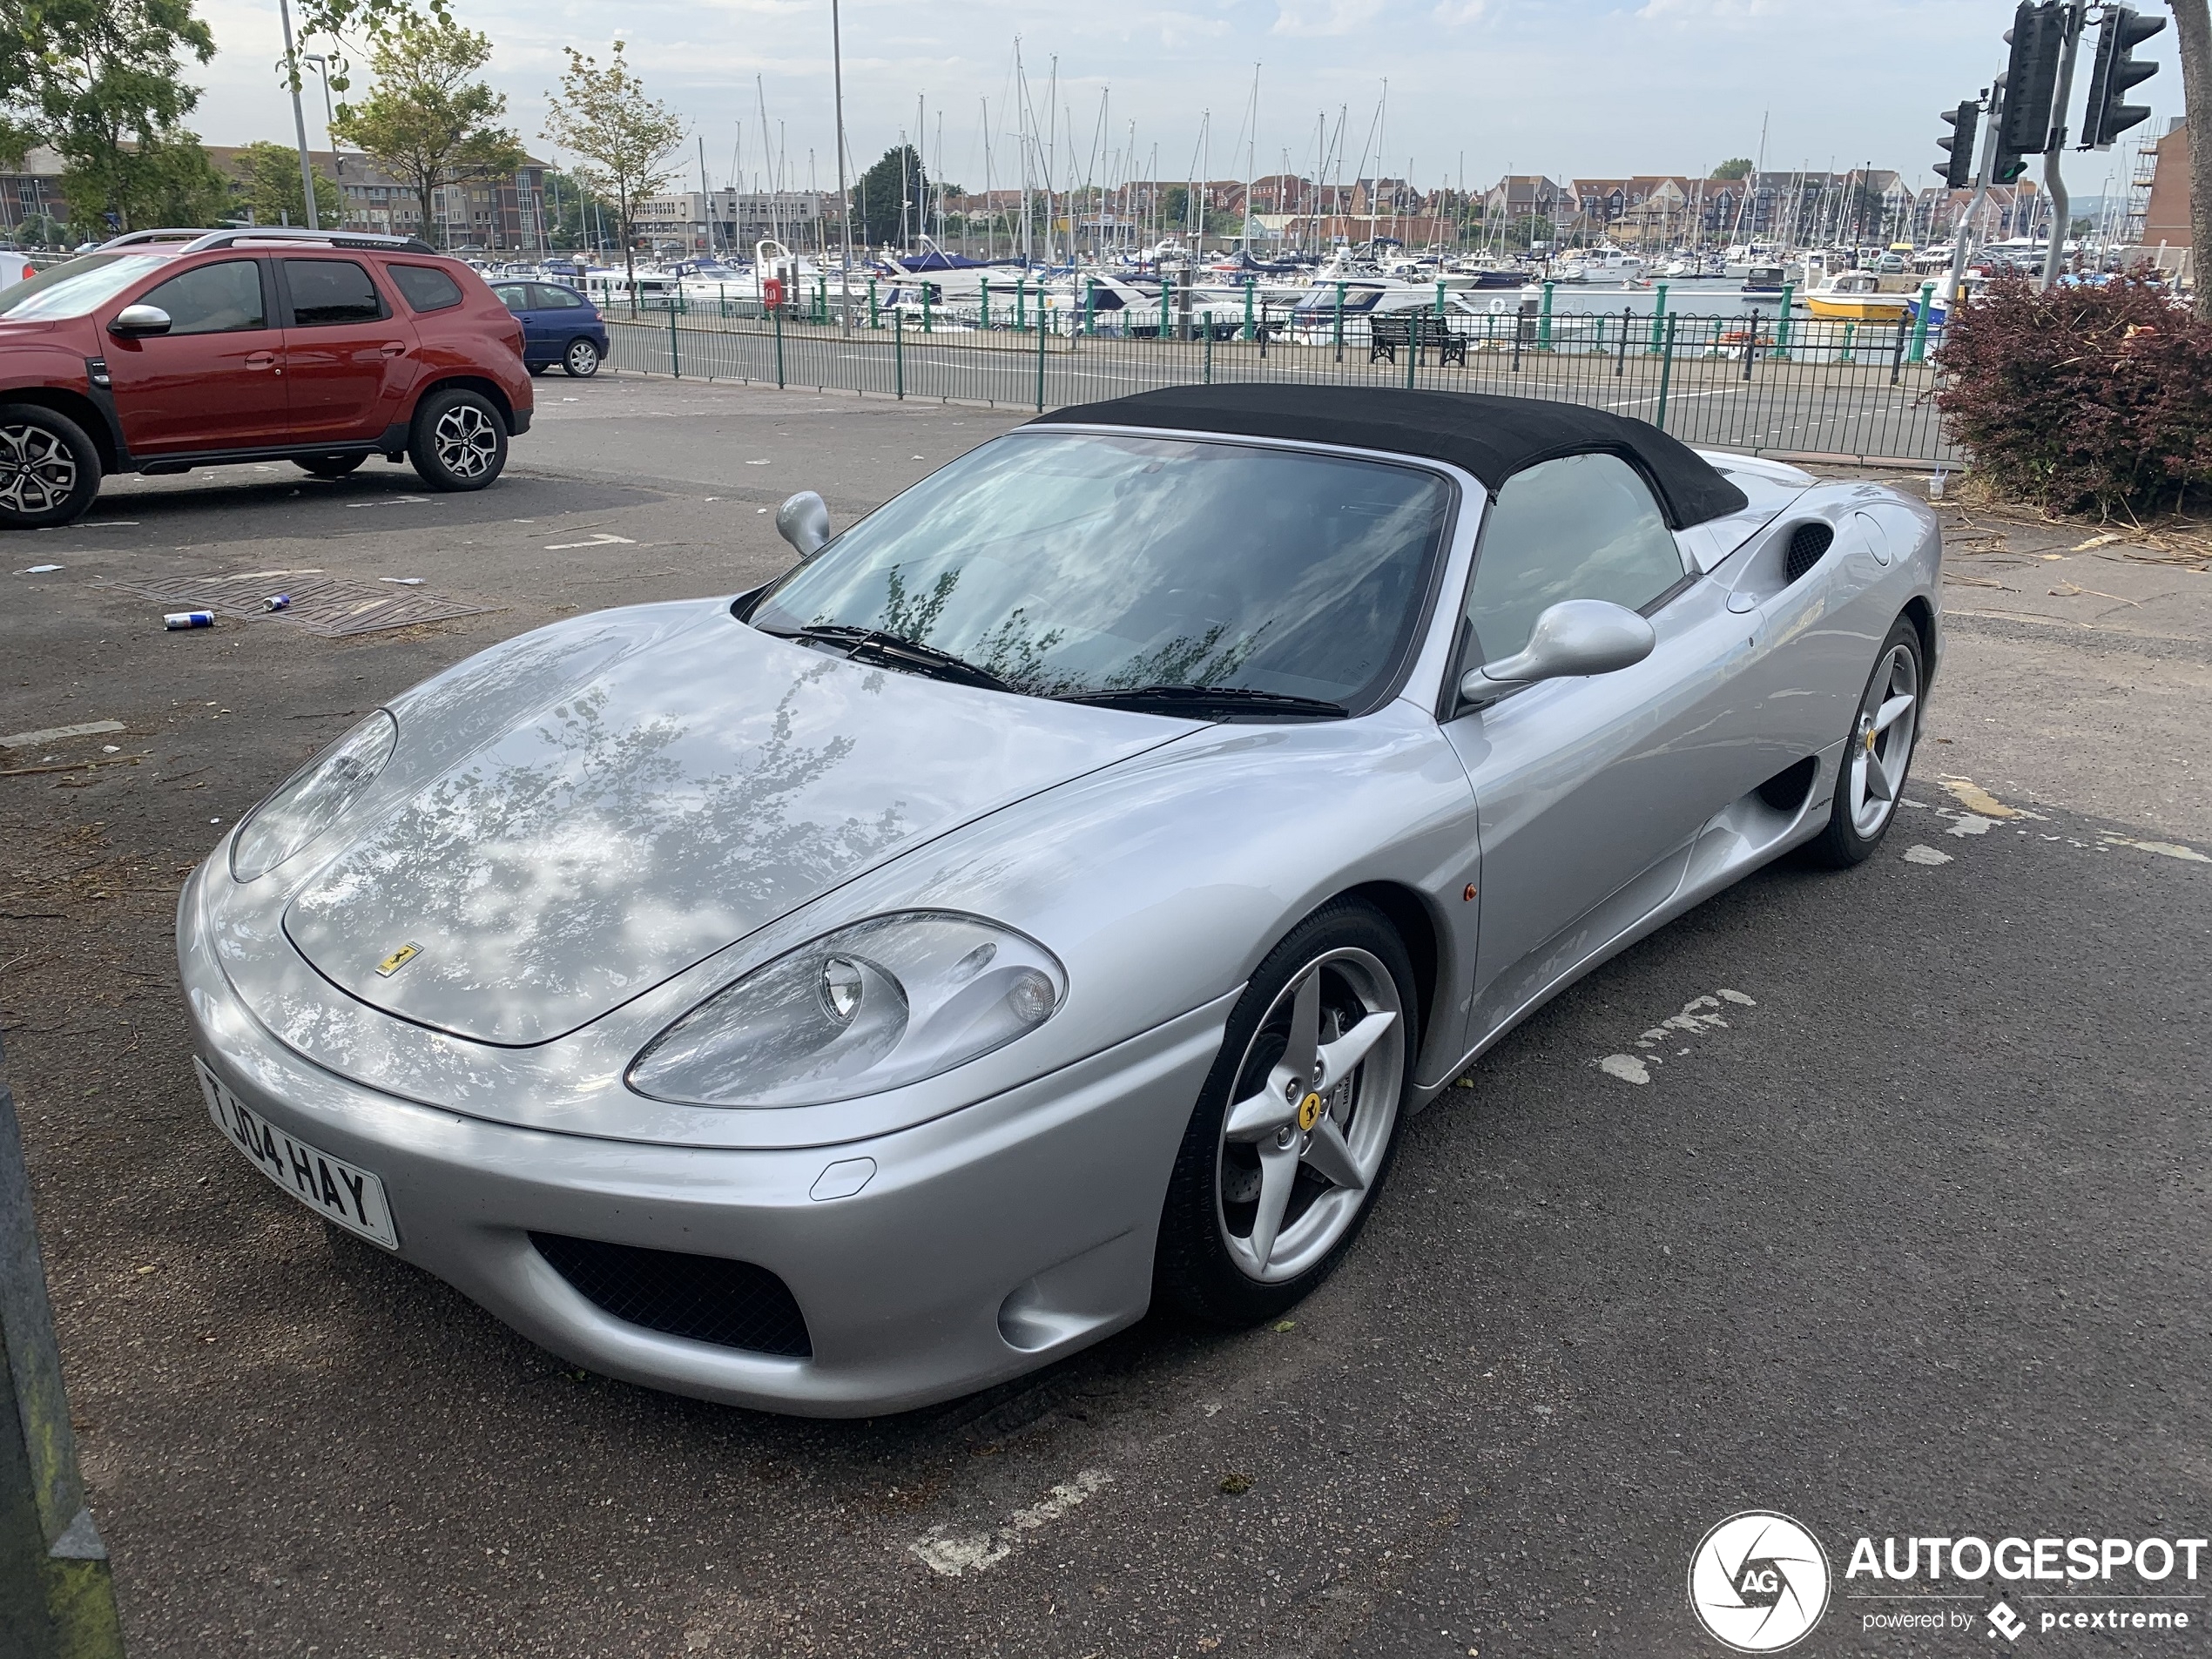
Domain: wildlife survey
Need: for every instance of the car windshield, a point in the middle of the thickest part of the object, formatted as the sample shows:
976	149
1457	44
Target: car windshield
71	290
1064	565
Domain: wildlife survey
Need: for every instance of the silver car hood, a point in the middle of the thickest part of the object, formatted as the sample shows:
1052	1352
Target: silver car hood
676	799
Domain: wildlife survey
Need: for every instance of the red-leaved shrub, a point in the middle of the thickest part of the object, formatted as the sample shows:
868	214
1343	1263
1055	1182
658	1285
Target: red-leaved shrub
2074	397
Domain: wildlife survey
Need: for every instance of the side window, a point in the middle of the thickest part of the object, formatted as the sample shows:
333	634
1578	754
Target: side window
1582	526
331	291
515	296
425	288
213	299
551	298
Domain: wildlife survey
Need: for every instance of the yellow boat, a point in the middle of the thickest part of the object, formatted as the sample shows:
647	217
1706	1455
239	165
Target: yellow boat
1856	296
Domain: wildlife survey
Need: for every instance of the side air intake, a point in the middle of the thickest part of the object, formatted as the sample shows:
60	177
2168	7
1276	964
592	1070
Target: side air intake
1807	544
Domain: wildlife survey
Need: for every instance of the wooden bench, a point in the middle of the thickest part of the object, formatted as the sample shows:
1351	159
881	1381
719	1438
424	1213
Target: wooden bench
1418	331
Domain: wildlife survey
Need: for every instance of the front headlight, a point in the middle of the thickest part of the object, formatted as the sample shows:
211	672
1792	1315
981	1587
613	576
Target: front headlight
883	1002
310	800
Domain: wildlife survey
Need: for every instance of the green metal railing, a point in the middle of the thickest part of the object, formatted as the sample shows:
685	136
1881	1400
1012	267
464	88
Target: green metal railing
1766	378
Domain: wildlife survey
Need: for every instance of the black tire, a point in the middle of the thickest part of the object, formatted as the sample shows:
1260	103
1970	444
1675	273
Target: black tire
536	369
1195	1270
50	468
457	440
580	361
328	466
1853	830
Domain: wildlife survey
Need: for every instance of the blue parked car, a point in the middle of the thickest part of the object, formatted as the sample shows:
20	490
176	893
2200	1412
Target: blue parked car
559	325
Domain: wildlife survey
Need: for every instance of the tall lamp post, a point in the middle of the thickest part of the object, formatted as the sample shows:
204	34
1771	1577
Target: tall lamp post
844	198
298	117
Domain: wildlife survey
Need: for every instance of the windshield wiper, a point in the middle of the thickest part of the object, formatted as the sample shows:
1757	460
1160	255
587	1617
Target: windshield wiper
1210	702
873	645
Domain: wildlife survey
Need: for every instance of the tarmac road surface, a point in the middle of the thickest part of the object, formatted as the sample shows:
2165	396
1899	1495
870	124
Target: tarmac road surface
1900	1228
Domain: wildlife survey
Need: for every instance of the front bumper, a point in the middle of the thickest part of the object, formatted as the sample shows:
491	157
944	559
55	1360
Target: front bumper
986	1243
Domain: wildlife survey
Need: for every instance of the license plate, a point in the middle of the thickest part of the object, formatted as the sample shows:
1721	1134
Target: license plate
334	1189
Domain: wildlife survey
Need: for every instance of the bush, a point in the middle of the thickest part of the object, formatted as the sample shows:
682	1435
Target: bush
2081	397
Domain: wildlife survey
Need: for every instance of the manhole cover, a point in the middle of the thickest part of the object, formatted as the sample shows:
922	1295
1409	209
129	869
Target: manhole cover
333	606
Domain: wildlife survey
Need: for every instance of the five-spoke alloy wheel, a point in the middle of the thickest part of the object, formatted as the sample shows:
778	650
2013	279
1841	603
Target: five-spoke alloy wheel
459	440
1875	761
1294	1131
48	470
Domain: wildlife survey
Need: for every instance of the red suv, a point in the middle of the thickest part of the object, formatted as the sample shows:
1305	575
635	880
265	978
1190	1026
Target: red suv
165	350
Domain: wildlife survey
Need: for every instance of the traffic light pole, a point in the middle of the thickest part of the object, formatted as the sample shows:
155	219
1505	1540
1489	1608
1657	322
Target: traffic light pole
1992	122
2054	257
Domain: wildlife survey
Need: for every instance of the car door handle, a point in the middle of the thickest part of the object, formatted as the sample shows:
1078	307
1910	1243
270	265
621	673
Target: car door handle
261	359
393	347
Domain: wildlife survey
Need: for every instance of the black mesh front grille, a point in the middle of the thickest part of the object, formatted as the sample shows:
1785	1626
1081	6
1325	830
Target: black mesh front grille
1807	543
732	1305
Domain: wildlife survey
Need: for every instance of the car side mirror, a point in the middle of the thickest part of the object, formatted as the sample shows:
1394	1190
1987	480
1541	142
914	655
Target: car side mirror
803	522
132	321
1574	638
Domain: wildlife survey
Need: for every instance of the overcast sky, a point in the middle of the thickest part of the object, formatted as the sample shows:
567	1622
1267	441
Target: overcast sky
1557	86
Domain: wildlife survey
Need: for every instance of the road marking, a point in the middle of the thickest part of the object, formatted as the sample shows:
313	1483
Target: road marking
945	1551
1972	796
1918	853
602	539
1626	1067
1699	1016
388	500
54	733
2164	849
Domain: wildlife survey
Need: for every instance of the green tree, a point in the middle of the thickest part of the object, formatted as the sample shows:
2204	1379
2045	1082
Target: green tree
1734	167
897	176
621	139
268	187
429	122
102	81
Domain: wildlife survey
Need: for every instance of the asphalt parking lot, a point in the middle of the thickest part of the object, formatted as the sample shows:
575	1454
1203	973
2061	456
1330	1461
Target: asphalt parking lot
1906	1231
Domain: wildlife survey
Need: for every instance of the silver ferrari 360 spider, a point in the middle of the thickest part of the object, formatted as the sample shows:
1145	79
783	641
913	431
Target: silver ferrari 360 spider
1051	895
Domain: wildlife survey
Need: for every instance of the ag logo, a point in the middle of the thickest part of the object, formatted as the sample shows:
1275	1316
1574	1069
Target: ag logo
1759	1581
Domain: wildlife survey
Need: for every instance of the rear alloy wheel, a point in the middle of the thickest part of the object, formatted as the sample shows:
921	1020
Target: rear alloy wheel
328	466
580	361
1871	778
458	440
48	470
1294	1131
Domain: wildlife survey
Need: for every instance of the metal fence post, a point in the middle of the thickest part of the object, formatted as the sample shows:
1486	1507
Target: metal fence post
1920	321
1851	330
1666	373
1659	317
984	322
1413	345
1250	284
1040	339
1897	355
1091	305
898	353
1782	322
875	320
1209	371
928	290
675	362
56	1594
1544	322
1021	306
1627	322
1751	345
1167	287
778	312
1340	322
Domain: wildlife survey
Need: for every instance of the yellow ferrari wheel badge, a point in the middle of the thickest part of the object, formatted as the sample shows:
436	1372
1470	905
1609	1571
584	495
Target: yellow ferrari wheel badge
1309	1111
397	959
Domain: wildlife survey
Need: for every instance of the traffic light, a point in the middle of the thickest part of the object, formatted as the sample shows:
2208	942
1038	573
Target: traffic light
2107	117
2037	38
1957	164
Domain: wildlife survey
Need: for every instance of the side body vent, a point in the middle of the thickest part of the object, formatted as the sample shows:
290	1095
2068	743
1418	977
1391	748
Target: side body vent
732	1305
1807	543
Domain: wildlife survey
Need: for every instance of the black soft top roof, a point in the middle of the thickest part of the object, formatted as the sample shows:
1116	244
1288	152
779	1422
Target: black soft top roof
1491	437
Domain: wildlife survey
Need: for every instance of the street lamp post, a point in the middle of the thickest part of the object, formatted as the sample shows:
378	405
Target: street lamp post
298	119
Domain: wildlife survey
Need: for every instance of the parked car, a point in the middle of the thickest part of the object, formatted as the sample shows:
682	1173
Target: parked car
165	350
1052	894
559	325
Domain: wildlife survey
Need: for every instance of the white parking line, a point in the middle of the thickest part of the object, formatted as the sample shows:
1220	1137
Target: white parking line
602	539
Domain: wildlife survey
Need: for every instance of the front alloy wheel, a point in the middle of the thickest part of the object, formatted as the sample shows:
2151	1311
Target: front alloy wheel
48	470
1871	776
1292	1134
